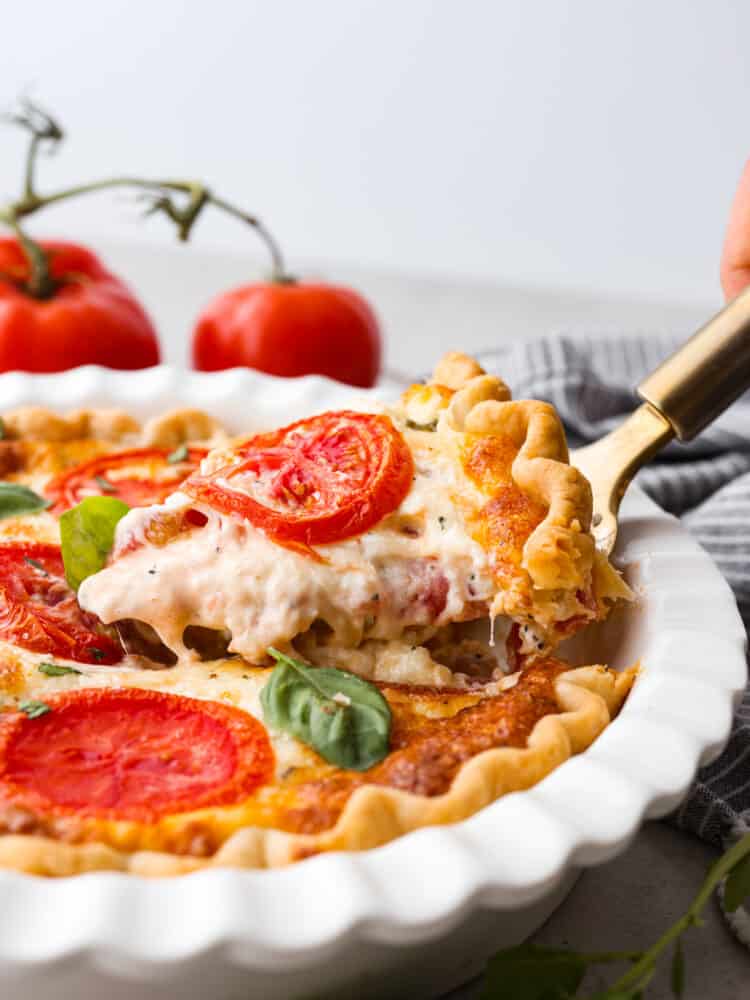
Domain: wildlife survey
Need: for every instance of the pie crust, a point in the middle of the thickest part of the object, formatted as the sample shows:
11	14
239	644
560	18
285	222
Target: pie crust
37	423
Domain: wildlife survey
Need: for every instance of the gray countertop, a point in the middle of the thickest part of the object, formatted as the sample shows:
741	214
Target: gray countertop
629	902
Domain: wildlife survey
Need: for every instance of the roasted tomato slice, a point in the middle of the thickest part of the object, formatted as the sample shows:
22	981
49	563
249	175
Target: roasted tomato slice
131	754
39	611
138	477
316	481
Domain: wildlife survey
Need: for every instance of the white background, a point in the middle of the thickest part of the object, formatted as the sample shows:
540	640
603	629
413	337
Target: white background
581	145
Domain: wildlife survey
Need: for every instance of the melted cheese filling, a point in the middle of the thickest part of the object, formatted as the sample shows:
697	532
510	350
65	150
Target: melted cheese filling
418	570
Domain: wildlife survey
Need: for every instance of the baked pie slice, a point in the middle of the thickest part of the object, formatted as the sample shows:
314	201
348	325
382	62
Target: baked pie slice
352	530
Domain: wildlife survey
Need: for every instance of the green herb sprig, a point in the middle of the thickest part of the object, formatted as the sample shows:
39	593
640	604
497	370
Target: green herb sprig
104	485
180	454
55	669
530	972
414	426
32	708
36	565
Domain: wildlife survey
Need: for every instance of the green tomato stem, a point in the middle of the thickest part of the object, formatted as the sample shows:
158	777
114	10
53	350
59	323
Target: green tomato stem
43	128
40	285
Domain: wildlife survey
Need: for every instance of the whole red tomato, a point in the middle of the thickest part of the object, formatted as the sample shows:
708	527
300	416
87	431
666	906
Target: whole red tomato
90	319
290	328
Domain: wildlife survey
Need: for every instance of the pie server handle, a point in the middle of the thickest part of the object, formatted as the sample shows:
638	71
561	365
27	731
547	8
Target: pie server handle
705	376
684	395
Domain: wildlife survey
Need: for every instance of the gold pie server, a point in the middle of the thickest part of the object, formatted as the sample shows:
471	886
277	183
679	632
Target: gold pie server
685	394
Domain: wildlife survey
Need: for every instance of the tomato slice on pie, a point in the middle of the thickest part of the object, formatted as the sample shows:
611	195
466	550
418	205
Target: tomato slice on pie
315	481
39	611
139	477
131	754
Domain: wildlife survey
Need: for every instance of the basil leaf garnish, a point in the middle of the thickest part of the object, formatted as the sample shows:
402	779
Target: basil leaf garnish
346	719
87	533
33	708
55	669
535	973
180	454
16	499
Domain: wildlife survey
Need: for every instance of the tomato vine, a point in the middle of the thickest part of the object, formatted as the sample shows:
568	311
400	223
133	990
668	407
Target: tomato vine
181	201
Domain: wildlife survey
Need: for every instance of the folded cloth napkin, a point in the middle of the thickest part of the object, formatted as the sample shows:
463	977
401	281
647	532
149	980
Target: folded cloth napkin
591	381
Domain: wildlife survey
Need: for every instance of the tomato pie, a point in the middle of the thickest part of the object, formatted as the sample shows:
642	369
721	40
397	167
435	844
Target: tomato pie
246	651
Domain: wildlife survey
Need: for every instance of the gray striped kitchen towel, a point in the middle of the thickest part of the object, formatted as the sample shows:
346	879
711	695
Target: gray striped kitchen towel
590	380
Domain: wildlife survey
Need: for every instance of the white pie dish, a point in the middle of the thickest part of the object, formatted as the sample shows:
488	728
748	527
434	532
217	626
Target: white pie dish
423	912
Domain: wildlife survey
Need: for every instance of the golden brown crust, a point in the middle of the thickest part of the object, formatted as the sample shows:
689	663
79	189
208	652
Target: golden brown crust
588	698
36	423
180	426
455	369
559	553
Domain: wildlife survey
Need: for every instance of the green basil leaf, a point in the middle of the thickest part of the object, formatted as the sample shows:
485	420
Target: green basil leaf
180	454
34	708
529	972
16	499
344	718
87	533
737	886
55	669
